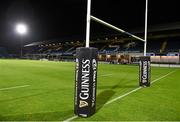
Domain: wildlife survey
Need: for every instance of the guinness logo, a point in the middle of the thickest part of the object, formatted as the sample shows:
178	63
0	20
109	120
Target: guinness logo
83	104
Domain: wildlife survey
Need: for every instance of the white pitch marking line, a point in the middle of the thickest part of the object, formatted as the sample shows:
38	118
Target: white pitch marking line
163	76
117	98
15	87
134	90
71	118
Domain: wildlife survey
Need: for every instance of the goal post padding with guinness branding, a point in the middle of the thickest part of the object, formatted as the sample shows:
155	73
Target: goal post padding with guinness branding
144	71
86	67
85	81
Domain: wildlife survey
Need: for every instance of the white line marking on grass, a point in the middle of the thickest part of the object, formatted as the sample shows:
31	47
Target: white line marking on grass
70	119
124	95
14	87
134	90
117	98
163	76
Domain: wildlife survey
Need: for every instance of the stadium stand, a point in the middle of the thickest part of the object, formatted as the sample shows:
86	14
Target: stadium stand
162	41
3	53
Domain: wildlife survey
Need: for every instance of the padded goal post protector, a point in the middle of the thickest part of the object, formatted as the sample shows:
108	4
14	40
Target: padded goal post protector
85	81
144	71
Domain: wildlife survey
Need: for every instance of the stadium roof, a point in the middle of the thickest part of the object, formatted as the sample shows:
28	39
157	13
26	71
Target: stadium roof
34	44
160	27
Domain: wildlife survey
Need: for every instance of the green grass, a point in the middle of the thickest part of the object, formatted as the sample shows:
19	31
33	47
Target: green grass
51	91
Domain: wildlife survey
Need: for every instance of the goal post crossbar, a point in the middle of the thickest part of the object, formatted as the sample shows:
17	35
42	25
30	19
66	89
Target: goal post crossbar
89	17
115	28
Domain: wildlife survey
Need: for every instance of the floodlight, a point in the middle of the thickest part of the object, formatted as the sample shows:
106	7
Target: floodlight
21	28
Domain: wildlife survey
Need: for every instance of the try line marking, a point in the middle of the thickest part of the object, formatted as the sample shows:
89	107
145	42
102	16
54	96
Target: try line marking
14	87
126	94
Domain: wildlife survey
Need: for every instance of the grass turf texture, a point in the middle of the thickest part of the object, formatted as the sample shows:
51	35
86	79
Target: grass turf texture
51	92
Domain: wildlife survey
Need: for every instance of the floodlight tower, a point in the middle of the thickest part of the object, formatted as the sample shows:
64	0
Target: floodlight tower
21	29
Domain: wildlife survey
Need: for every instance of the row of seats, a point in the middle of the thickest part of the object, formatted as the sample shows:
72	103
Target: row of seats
132	46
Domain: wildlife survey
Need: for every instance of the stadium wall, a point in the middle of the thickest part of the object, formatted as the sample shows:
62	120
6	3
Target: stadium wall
117	58
3	53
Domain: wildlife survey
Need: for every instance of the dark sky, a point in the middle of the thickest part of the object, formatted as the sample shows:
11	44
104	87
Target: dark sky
51	19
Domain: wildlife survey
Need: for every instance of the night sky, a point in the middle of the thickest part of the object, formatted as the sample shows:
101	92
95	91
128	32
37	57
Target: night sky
52	19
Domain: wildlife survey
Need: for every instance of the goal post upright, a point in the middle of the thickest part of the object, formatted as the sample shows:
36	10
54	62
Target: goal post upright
145	32
86	75
145	61
88	22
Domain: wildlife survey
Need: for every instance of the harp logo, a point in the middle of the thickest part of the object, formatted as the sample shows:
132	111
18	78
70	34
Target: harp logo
83	104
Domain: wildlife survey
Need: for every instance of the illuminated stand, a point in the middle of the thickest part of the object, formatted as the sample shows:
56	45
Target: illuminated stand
86	68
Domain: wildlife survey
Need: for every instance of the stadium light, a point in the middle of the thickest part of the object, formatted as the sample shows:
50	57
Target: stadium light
21	29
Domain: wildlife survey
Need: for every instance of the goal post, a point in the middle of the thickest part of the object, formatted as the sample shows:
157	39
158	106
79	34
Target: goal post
145	31
86	67
88	22
86	75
